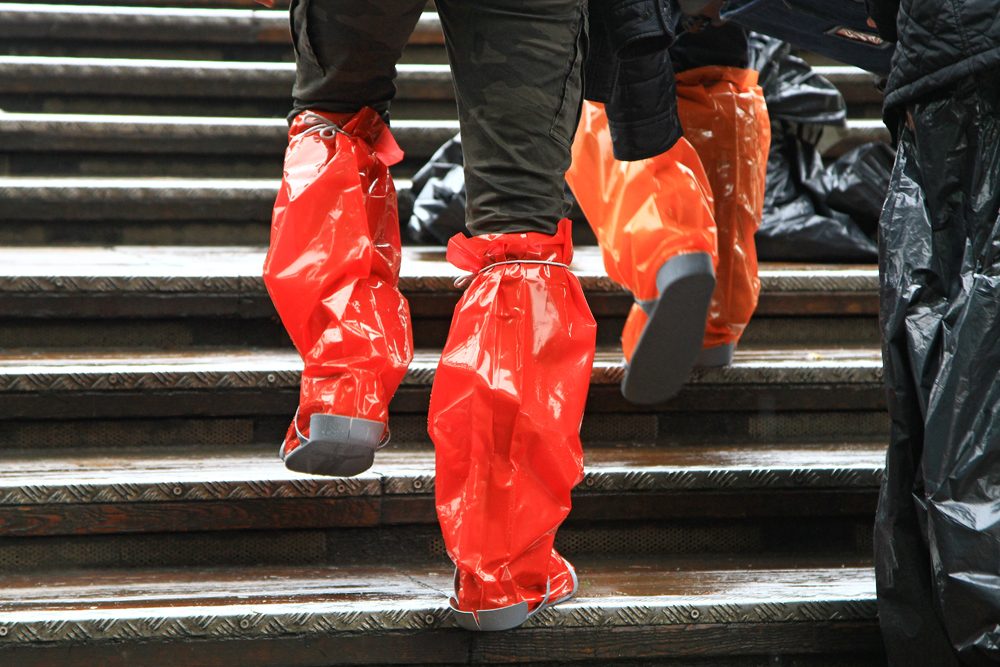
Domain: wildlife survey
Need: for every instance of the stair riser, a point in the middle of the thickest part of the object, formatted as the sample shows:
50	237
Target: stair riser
61	146
131	165
239	107
625	427
762	332
666	647
340	533
189	49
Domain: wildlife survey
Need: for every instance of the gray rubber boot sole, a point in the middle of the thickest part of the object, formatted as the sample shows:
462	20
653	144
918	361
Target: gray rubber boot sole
713	357
505	618
337	446
671	342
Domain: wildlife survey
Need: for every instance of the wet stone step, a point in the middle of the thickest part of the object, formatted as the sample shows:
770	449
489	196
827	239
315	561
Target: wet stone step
667	610
199	474
123	199
173	33
185	135
245	383
236	270
189	296
116	145
55	22
681	489
164	78
172	4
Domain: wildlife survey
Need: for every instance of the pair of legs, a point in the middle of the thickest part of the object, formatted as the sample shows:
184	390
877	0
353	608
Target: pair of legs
510	389
517	68
937	528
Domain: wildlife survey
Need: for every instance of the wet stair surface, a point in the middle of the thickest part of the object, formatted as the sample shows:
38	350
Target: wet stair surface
145	384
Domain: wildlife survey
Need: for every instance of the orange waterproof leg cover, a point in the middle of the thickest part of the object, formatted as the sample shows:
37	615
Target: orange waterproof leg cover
645	213
724	117
332	271
505	416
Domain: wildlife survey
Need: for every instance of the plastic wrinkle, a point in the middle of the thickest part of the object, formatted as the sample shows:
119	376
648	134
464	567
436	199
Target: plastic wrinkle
725	119
505	413
643	213
332	269
937	527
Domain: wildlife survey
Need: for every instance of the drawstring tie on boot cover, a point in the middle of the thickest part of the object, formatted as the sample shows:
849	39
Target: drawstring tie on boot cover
462	281
324	127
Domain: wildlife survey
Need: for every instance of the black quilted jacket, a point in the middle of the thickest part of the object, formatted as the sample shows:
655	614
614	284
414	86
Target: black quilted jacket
628	69
939	42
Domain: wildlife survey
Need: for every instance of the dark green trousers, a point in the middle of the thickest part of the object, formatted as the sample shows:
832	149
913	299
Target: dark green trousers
517	66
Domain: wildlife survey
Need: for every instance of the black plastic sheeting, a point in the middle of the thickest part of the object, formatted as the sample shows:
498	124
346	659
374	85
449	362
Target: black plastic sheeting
812	213
937	529
439	197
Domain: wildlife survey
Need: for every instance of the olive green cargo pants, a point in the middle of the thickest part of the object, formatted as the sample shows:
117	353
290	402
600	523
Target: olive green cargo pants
517	66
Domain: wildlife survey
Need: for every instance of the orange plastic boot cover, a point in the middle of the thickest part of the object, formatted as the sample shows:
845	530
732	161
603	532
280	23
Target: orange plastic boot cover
646	214
725	118
332	271
505	415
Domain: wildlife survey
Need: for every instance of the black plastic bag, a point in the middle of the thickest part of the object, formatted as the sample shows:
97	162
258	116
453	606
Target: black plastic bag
858	182
438	191
937	528
808	214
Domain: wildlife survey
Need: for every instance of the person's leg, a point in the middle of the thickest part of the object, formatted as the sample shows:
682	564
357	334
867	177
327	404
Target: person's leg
913	300
725	118
346	52
654	220
956	146
518	77
333	265
510	390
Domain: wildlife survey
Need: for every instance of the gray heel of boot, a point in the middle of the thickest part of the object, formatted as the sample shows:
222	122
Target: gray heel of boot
713	357
671	342
337	446
505	618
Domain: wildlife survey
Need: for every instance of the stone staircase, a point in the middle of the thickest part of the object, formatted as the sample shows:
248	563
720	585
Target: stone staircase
145	384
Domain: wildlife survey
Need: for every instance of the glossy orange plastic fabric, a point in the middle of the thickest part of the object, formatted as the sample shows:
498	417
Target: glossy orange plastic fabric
333	266
505	414
643	212
725	118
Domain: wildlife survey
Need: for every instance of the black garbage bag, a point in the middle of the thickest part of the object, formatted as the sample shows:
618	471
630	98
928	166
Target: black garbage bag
937	528
858	182
807	213
438	191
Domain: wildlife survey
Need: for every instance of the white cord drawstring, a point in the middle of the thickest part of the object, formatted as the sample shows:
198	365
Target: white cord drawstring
324	127
462	280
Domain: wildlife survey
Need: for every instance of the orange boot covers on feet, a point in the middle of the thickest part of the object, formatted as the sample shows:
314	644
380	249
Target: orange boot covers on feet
654	221
505	416
332	271
724	117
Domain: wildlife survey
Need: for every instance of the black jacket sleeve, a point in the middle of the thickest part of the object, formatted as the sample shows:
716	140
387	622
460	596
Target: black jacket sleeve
884	13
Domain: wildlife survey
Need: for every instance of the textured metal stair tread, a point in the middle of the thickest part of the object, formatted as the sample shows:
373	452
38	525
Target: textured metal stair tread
139	77
271	601
115	23
195	474
237	270
253	136
183	134
188	78
245	369
64	199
